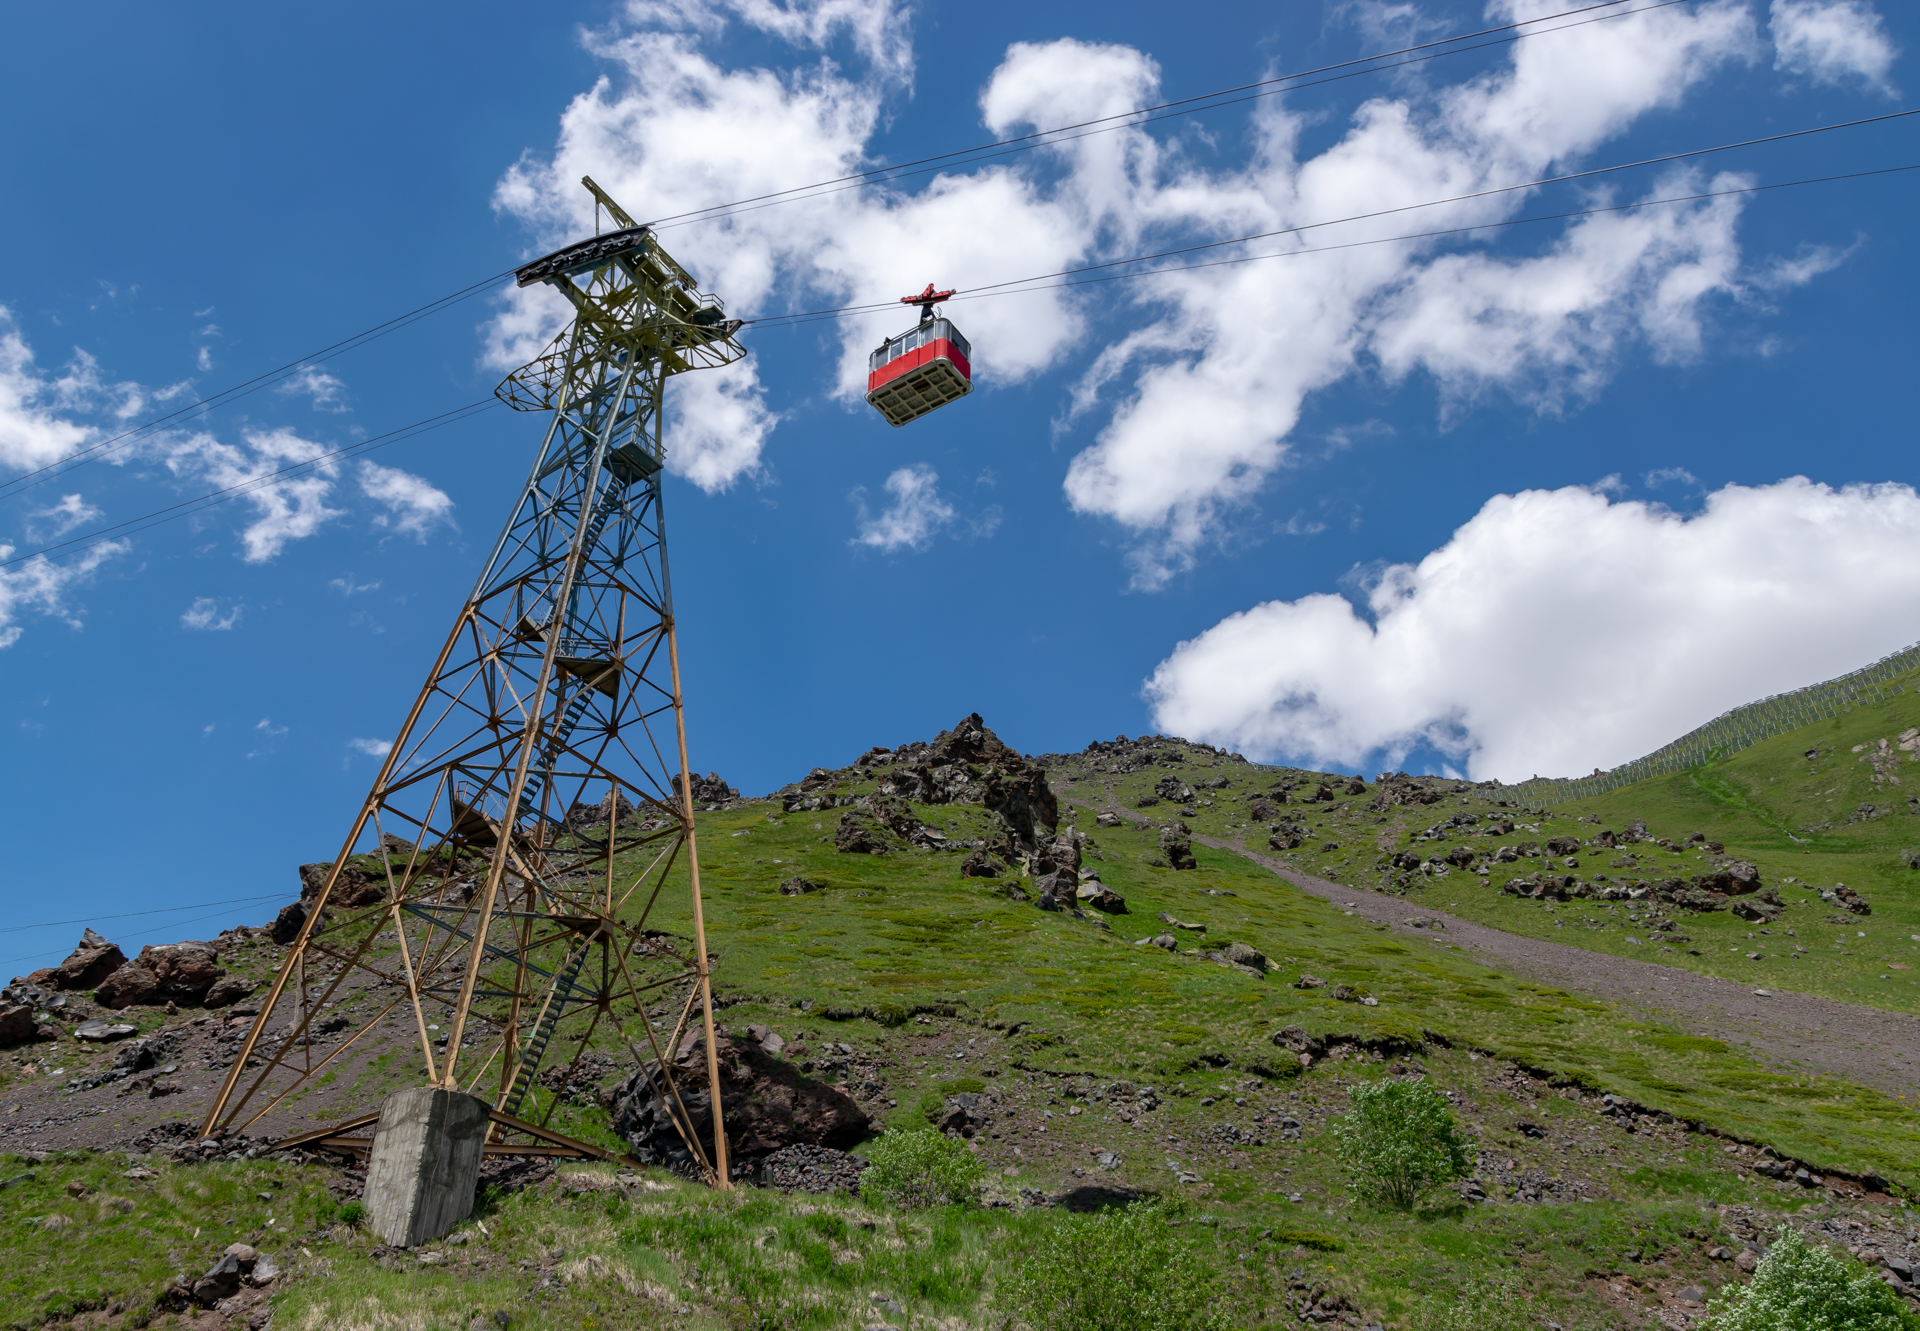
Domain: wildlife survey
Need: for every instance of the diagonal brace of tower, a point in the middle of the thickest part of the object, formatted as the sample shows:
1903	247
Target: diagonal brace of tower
505	877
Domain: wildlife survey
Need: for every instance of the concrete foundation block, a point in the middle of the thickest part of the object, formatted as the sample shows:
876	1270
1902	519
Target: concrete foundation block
425	1164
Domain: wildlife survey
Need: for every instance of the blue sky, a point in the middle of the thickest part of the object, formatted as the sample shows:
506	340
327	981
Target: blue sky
1513	501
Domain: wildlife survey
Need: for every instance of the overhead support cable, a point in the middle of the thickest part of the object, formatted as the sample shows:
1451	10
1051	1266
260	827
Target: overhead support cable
75	544
1043	138
1022	286
127	438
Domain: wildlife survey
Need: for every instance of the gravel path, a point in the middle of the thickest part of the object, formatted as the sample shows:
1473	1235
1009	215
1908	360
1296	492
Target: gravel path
1864	1045
1868	1046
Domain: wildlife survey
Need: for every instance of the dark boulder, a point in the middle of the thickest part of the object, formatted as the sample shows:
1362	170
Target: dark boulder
16	1026
979	865
1842	895
228	990
90	962
1178	848
1092	892
286	925
769	1105
797	886
173	972
1058	891
1173	789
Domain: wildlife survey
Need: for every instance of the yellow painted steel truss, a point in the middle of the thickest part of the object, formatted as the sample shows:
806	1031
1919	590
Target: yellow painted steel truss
499	887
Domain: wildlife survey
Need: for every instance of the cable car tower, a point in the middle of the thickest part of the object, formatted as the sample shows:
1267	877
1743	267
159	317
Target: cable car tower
501	885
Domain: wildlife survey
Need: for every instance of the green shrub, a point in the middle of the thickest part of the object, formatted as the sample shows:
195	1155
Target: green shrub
352	1213
1802	1286
918	1169
1113	1271
1399	1142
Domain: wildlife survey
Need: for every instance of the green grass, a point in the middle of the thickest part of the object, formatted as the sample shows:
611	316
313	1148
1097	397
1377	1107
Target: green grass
1768	804
901	958
659	1251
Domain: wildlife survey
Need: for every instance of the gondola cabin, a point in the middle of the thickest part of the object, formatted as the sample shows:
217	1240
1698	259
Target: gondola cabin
921	370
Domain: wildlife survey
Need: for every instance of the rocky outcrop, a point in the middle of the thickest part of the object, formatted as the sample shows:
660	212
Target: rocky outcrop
172	972
1176	845
1842	895
708	791
90	962
769	1105
359	884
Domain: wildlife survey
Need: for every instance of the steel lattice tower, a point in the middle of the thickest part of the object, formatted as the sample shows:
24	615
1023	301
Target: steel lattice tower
470	880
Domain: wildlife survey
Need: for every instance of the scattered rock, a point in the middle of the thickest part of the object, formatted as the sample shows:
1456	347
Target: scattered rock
1842	895
221	1281
1240	954
98	1031
1109	820
1177	847
286	925
228	990
17	1026
805	1168
797	886
770	1105
1092	892
1309	982
979	864
707	790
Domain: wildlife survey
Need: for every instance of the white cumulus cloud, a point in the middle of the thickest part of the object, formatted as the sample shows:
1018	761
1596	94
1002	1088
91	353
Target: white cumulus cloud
1833	41
916	515
205	614
1560	631
327	392
373	748
33	429
287	509
414	506
1193	382
43	584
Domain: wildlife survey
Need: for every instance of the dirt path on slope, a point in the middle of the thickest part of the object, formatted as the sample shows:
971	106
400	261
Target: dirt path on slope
1865	1045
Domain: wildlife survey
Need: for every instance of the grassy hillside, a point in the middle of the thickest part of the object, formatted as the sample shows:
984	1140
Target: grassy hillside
1837	802
1083	1040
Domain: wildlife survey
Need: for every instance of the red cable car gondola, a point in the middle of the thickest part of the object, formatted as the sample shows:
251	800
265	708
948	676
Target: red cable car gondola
923	369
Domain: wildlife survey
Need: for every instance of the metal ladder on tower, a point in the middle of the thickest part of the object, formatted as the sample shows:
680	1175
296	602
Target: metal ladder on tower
535	788
535	1048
